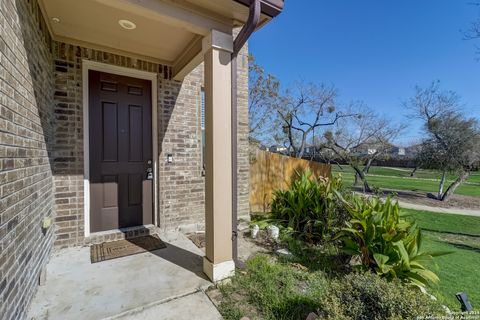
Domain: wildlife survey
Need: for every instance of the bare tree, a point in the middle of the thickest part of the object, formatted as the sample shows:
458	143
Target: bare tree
382	146
263	94
473	33
452	142
355	139
303	110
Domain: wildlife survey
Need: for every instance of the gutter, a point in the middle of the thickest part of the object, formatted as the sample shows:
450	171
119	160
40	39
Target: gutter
271	8
256	9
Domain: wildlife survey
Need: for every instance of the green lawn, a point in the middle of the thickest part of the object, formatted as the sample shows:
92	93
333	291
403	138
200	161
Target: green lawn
475	178
399	179
458	271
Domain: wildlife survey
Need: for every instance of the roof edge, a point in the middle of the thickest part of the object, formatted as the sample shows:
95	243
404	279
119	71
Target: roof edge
271	8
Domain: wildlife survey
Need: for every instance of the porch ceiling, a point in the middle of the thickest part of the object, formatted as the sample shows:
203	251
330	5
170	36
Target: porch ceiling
165	29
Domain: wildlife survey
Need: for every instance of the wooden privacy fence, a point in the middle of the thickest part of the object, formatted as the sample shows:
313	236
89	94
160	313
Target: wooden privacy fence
272	171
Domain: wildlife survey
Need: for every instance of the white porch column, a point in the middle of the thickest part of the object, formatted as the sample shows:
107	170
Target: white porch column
217	50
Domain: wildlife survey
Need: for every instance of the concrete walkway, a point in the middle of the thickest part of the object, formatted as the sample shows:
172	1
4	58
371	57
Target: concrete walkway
459	211
162	284
193	306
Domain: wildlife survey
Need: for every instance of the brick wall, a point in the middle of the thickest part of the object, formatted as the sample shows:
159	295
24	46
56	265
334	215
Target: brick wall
243	164
41	147
26	130
181	184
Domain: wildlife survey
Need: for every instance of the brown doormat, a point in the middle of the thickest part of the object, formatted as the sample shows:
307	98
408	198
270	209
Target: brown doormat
122	248
198	239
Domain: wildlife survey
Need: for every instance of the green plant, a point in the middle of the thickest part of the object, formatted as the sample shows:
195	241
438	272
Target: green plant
387	243
271	289
365	296
267	290
309	208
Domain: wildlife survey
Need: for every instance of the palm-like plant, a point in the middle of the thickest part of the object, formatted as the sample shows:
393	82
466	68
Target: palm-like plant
386	242
309	207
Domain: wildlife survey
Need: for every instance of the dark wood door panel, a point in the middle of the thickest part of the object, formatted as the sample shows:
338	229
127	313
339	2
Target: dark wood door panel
120	147
110	191
110	131
135	142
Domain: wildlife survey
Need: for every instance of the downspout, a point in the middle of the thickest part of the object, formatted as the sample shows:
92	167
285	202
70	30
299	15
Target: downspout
240	40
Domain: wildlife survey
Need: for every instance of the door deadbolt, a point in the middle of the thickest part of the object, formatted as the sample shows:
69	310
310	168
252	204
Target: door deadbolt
149	174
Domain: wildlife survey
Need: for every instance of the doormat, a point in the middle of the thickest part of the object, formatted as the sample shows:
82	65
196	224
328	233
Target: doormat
198	239
122	248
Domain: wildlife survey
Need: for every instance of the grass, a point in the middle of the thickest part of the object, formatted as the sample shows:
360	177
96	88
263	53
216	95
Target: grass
457	271
270	290
280	289
399	179
446	223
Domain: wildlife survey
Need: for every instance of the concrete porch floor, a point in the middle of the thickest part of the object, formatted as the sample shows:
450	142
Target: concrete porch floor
162	284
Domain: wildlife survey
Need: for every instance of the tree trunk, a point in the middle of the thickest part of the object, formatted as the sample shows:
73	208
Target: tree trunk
455	184
301	149
368	165
412	174
359	174
442	184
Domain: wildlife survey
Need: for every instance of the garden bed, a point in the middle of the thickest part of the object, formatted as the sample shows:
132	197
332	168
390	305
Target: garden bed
275	288
346	256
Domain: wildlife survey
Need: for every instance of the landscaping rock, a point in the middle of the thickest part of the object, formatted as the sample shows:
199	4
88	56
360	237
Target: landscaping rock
254	231
424	291
312	316
284	252
273	232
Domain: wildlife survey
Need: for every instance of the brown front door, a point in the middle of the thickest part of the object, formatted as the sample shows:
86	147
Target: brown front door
120	139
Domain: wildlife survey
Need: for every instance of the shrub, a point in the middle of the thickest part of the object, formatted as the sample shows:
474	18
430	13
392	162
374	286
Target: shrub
269	289
365	296
310	208
386	243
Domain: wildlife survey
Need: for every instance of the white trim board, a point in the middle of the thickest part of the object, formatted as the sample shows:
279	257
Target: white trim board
102	67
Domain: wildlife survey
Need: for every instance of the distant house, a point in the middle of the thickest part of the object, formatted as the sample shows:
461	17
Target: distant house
365	149
398	152
278	149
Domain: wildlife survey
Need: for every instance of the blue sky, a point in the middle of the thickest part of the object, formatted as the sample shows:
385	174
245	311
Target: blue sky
375	51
